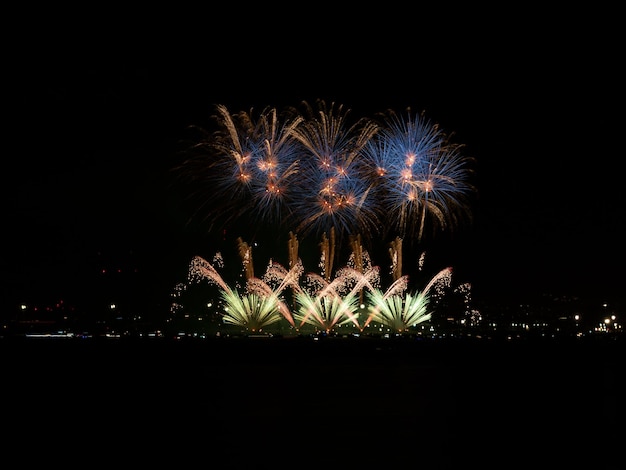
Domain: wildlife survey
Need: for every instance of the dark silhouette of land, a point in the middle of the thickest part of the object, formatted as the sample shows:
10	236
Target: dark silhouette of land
290	402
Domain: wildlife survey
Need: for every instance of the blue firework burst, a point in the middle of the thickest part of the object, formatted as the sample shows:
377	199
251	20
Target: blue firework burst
332	191
421	175
313	171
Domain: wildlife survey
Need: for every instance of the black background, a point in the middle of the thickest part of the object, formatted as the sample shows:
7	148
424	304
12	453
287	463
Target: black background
97	109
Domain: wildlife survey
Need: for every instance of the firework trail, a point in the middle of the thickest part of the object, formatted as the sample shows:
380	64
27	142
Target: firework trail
440	282
253	312
326	311
259	287
278	274
398	312
201	269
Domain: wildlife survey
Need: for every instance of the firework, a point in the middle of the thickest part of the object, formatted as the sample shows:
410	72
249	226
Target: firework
326	312
245	169
321	303
200	269
421	175
314	171
332	192
398	312
251	311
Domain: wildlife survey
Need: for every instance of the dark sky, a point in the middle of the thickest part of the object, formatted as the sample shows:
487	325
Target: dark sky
538	102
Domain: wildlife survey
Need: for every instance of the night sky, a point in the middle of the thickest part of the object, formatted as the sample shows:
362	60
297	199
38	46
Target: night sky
538	104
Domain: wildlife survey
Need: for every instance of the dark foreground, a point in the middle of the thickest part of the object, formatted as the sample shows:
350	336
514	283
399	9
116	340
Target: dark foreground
291	403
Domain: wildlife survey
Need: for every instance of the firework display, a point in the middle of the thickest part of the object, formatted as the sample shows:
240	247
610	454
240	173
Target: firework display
317	174
315	170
